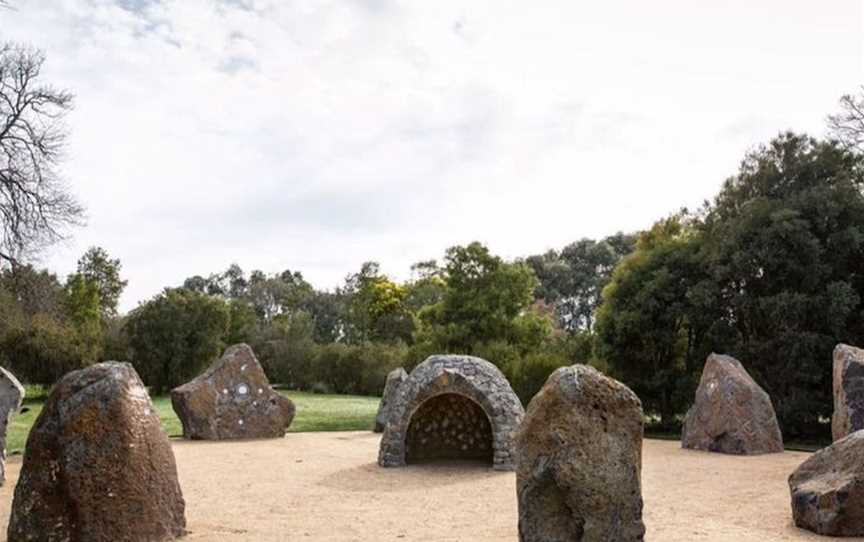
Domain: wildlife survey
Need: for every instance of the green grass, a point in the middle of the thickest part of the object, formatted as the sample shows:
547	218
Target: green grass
332	412
314	413
19	427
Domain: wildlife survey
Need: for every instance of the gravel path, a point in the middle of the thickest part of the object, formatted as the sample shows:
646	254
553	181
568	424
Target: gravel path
326	486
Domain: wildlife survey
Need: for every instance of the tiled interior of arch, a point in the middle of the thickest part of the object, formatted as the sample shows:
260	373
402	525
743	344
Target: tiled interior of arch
449	426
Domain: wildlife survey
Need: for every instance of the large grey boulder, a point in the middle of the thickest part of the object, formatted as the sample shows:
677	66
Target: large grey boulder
828	489
11	397
731	413
579	461
231	400
98	467
394	380
848	414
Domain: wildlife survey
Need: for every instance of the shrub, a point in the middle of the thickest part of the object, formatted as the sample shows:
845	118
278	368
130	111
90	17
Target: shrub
527	375
377	360
354	369
333	366
175	335
500	353
43	351
286	350
320	388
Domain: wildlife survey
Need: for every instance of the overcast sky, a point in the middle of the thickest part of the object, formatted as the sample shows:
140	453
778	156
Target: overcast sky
315	135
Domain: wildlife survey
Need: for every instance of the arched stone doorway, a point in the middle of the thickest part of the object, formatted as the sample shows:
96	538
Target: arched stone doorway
449	426
440	394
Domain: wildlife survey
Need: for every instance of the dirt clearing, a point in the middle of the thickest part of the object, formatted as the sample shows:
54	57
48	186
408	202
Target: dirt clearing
327	486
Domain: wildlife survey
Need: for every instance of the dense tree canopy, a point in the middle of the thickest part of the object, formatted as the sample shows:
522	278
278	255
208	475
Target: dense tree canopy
175	335
47	327
648	325
785	252
770	272
483	298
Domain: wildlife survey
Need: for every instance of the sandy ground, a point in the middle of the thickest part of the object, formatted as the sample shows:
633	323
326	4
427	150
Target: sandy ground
326	486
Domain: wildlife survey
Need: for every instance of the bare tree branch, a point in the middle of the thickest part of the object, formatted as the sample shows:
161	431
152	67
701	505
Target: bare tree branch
35	205
848	125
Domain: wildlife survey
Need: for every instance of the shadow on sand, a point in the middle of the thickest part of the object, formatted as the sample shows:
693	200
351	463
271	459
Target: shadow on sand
369	477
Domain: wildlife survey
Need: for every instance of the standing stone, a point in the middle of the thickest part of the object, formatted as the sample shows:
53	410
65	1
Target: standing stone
848	391
98	467
11	396
232	399
394	380
828	489
579	461
731	413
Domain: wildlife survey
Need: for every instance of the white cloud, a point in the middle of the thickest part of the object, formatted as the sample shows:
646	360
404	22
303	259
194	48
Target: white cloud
315	135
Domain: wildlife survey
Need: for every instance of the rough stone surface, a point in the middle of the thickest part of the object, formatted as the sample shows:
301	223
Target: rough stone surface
848	391
232	400
449	426
394	380
731	413
98	467
579	461
11	396
828	489
458	427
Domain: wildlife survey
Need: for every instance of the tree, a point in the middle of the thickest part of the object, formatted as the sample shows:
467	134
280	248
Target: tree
43	350
327	310
427	286
483	300
847	126
46	328
175	335
242	321
785	247
196	283
573	279
35	205
268	295
286	349
84	310
647	331
36	291
281	293
103	271
377	309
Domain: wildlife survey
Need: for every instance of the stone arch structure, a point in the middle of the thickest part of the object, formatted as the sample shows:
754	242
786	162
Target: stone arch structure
456	400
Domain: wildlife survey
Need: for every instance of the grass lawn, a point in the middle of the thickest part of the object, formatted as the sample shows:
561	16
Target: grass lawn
314	413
